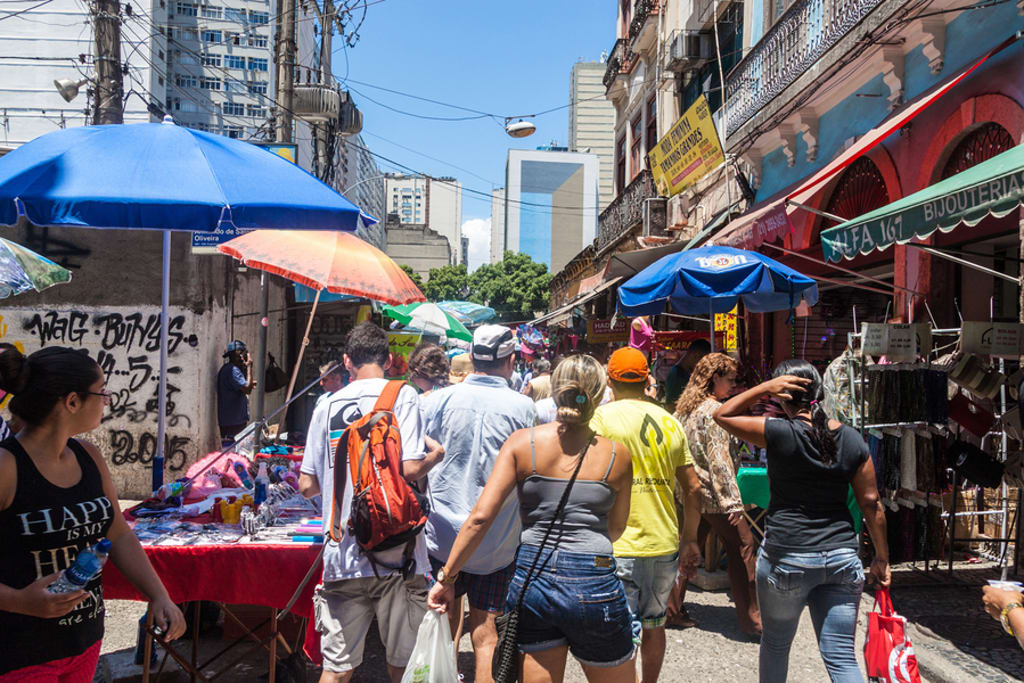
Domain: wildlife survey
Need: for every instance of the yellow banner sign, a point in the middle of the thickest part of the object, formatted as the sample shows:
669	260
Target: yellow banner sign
726	324
688	151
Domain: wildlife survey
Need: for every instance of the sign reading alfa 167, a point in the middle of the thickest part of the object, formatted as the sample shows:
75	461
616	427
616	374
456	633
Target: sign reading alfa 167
688	151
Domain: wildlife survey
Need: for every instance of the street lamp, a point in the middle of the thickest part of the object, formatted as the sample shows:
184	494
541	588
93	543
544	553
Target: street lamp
519	129
68	87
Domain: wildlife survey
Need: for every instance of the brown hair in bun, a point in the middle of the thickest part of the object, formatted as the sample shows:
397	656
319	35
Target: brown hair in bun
40	381
577	385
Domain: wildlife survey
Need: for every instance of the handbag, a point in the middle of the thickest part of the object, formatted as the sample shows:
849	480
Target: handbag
274	377
888	653
505	662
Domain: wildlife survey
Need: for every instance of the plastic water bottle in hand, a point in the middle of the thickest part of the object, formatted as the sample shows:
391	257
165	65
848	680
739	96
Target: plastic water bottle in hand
88	563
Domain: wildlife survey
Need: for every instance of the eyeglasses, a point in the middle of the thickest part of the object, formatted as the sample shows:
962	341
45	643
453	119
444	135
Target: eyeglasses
105	394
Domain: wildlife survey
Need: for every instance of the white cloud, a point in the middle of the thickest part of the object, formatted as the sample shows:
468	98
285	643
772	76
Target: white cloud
478	230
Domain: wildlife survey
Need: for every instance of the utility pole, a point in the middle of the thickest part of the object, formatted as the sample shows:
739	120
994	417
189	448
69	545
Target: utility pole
284	64
284	68
106	18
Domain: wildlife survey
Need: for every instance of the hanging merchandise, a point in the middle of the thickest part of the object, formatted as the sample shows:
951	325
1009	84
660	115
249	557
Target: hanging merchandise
976	465
906	393
972	373
842	395
274	377
970	415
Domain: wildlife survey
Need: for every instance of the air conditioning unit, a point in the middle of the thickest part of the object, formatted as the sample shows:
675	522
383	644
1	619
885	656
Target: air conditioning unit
677	210
689	50
316	102
654	217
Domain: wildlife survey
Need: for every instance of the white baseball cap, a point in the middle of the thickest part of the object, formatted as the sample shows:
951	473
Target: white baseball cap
493	342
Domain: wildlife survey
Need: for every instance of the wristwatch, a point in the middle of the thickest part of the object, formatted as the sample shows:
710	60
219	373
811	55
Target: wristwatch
1004	616
445	580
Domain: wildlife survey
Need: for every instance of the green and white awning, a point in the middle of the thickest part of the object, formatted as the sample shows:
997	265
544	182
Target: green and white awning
992	188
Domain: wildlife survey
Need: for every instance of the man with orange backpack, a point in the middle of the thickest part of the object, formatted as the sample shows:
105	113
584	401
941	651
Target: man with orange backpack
368	437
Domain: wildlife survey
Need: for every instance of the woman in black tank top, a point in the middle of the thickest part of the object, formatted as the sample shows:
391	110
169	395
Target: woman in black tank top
56	498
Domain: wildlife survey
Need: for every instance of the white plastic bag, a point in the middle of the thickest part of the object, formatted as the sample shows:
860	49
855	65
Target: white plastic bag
433	658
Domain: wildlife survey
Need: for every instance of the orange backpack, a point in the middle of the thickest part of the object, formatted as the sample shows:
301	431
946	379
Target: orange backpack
387	512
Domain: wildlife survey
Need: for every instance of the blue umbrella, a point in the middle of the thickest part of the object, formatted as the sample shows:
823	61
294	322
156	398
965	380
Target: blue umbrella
712	280
160	176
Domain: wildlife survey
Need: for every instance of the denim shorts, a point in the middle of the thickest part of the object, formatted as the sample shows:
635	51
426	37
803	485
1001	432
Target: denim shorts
575	600
648	582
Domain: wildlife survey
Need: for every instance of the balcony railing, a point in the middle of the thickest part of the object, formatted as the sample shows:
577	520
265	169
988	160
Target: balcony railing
620	61
626	210
642	9
797	40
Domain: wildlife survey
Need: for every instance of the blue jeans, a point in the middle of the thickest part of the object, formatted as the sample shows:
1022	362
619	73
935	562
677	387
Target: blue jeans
830	583
575	600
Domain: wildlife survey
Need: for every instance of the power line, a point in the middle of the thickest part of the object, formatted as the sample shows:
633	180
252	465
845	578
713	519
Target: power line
487	195
9	15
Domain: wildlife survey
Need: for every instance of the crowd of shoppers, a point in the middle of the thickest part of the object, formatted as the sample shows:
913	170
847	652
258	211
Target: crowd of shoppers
576	499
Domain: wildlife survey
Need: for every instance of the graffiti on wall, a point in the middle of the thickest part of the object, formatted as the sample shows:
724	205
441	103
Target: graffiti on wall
126	345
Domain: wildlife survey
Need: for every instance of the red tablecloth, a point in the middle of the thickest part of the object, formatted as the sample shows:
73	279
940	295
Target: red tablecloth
239	574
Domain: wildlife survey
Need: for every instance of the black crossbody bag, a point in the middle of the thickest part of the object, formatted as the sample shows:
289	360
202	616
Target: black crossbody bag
505	662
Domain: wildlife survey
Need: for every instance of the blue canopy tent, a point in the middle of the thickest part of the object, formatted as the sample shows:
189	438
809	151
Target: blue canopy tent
712	280
160	176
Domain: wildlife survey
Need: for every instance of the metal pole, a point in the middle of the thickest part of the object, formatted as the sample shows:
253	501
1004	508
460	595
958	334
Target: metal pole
711	311
161	420
261	348
298	362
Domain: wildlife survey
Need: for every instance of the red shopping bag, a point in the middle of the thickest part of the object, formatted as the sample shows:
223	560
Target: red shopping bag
888	653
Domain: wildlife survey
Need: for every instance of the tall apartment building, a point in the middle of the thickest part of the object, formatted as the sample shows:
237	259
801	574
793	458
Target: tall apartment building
220	66
550	204
434	202
50	41
592	123
497	225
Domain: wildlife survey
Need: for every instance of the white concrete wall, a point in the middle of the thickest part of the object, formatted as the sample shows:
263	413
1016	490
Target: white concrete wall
44	43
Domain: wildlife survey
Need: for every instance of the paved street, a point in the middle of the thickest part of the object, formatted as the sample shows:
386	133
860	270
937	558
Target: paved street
714	651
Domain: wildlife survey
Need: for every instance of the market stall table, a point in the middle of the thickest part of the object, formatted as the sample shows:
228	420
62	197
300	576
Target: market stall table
264	574
754	490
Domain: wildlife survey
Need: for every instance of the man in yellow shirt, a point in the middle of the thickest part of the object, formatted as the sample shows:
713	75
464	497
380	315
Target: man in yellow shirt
647	552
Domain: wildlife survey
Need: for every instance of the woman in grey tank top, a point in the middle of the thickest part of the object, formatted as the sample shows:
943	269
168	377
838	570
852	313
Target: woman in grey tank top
574	602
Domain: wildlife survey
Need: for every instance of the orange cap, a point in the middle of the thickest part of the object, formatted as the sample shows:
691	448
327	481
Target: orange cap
628	365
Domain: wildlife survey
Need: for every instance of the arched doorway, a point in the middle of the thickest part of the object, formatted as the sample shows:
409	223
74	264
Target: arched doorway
821	336
986	141
976	301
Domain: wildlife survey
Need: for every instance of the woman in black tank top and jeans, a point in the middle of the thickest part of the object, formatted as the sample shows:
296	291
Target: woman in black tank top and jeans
809	555
56	498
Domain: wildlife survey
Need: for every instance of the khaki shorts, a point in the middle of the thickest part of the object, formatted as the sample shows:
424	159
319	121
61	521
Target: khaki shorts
345	609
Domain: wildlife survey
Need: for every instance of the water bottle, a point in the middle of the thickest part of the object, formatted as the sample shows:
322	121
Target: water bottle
88	563
262	482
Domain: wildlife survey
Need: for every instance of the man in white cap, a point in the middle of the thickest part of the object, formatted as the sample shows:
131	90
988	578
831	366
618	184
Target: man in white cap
472	420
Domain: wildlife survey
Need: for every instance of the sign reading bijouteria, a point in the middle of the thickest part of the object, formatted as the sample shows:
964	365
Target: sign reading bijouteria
994	187
687	152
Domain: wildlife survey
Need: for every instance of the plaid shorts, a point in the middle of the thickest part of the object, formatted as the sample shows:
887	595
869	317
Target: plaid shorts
486	591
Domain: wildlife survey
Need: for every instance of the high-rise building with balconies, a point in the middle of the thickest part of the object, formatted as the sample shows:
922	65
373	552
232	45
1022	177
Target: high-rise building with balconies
220	66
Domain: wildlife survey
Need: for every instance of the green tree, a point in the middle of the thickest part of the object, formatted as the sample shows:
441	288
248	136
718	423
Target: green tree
413	275
515	287
447	283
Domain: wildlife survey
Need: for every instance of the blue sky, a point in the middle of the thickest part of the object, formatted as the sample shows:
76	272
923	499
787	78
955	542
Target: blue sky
500	58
